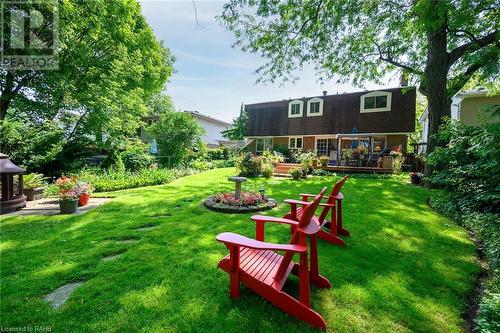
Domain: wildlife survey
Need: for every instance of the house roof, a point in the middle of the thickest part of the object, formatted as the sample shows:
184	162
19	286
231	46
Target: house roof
341	114
472	93
208	118
356	93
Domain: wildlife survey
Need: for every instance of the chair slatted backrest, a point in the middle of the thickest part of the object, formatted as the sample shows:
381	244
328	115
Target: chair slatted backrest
335	191
304	221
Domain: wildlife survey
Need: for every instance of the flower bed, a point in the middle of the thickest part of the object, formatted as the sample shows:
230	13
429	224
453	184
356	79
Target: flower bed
248	202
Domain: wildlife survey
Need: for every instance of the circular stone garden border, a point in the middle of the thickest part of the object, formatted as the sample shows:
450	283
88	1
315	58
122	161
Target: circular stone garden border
211	204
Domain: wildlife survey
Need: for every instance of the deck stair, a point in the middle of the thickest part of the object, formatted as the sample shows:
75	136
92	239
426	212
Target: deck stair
282	169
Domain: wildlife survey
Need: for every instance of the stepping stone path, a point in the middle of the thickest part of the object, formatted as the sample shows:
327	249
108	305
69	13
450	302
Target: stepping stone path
156	216
112	257
147	227
128	241
58	297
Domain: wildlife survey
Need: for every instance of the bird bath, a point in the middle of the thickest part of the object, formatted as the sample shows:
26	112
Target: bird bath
238	181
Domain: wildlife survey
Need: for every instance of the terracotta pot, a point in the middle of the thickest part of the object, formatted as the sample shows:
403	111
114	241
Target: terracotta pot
68	206
83	199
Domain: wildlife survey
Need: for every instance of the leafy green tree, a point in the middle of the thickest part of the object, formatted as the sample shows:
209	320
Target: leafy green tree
440	44
109	64
176	133
239	126
32	146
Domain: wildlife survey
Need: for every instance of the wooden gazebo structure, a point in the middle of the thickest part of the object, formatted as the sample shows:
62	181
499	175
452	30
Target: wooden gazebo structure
12	196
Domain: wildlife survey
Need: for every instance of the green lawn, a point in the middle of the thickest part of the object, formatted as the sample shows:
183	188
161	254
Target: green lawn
405	268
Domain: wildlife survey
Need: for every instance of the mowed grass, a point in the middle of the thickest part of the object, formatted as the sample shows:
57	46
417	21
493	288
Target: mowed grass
405	268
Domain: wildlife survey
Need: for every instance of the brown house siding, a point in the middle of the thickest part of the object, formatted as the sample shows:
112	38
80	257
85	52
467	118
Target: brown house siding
341	114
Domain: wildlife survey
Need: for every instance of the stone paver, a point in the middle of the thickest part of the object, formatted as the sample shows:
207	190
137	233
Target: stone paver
147	227
127	241
112	257
59	296
50	206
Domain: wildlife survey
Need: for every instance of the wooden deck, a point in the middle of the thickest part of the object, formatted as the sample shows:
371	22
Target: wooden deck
283	168
353	169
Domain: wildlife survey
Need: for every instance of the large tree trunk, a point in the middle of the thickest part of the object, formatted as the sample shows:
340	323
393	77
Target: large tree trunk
7	94
434	87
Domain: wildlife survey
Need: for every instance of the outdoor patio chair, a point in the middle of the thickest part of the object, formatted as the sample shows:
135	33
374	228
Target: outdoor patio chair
256	264
330	230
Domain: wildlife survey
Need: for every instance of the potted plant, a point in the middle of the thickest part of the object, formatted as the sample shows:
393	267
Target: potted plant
84	190
416	178
296	173
68	196
68	201
33	186
324	160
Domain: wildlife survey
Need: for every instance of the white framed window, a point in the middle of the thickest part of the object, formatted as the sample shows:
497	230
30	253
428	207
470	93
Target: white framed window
376	101
324	147
295	109
315	107
263	144
295	142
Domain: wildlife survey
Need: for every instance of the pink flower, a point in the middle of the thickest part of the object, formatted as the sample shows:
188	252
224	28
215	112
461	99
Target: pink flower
246	199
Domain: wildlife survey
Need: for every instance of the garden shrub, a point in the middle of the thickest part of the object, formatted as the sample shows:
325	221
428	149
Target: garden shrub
32	146
112	180
267	170
305	159
321	172
249	165
468	170
114	161
296	173
469	165
283	150
231	162
136	156
201	164
272	157
488	318
222	153
397	162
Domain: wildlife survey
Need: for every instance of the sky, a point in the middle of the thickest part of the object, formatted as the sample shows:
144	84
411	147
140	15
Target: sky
210	76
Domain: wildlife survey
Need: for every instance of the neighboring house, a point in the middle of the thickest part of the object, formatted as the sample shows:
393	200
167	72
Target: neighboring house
213	127
466	106
330	123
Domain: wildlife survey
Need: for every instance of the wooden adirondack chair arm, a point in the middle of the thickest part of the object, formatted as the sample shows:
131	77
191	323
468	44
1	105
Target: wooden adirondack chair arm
264	218
239	240
307	195
297	202
339	196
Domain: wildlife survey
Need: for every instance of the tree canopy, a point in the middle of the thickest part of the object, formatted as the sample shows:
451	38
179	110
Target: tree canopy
440	44
110	64
175	132
238	131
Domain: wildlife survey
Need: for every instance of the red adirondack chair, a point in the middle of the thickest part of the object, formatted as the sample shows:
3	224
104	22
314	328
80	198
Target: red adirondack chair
330	230
256	264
